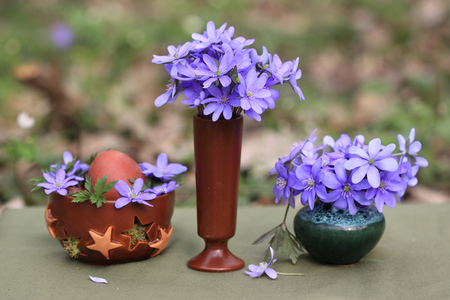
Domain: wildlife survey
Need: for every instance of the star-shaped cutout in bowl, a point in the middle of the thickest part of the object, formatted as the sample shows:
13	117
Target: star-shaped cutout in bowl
162	241
103	243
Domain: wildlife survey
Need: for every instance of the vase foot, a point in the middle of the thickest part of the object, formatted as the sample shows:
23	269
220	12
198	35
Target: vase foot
216	257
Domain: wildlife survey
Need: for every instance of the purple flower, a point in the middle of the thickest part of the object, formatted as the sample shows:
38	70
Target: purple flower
369	163
411	148
263	267
340	148
132	195
210	36
62	36
278	69
58	183
77	168
408	172
252	90
344	193
217	70
194	95
163	169
308	180
169	96
176	54
253	115
221	102
343	172
216	58
262	60
386	192
281	188
187	72
303	147
296	75
163	189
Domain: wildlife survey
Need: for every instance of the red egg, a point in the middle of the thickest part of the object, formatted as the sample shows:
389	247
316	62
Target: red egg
118	166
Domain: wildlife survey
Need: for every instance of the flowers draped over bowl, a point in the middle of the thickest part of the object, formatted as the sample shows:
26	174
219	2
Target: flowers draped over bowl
72	173
221	77
348	173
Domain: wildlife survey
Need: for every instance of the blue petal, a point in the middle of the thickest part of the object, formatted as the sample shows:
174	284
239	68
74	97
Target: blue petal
271	273
162	161
122	188
387	164
331	181
374	147
360	173
358	151
137	186
386	152
121	202
373	176
253	274
415	147
421	162
98	279
355	162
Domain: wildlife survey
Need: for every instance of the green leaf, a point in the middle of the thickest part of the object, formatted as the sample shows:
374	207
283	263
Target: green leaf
286	243
109	186
100	184
265	236
88	185
278	239
100	200
36	181
80	196
91	159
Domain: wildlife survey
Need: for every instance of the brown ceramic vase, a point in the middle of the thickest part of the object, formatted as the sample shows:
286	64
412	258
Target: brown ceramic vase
107	235
217	147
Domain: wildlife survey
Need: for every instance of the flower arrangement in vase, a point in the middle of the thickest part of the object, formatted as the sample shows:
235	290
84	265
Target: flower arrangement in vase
222	78
112	209
344	185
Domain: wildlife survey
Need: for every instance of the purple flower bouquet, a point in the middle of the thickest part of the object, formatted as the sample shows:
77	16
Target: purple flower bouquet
346	174
222	78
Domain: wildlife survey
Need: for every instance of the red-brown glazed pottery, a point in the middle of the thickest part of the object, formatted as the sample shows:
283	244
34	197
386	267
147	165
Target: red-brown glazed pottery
107	235
217	148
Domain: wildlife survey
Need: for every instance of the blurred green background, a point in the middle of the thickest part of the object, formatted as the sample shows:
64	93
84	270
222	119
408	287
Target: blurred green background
376	68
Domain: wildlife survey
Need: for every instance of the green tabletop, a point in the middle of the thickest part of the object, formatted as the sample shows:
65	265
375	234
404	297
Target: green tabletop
412	261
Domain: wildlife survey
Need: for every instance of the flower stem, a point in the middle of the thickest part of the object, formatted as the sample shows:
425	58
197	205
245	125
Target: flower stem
285	215
291	274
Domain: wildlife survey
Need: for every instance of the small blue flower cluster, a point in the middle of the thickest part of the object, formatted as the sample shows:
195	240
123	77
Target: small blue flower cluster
343	172
60	178
220	76
163	171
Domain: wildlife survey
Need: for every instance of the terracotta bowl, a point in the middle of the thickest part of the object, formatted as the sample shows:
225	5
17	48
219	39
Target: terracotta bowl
108	235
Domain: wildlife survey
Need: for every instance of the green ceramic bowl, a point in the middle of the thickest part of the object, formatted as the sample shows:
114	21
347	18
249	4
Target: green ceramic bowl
334	236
